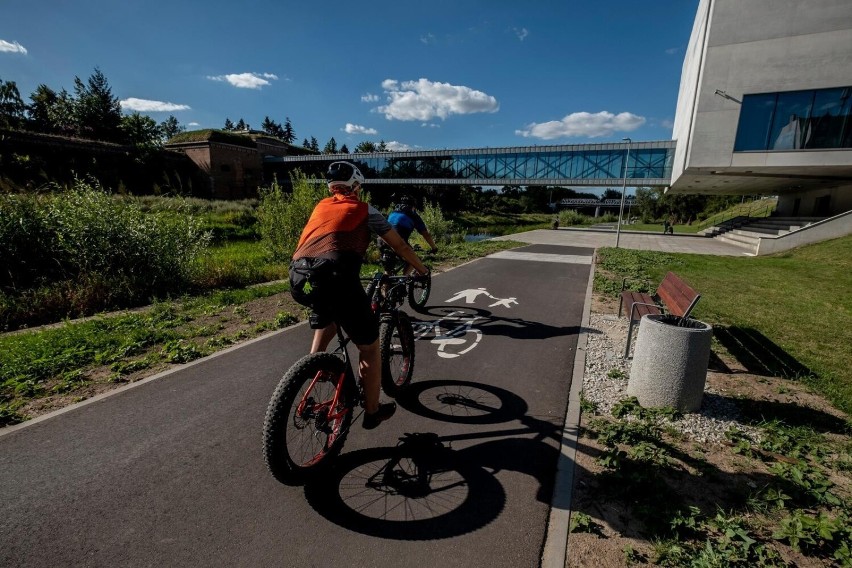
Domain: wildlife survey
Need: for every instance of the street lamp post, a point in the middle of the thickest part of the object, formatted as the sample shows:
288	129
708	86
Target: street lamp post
623	192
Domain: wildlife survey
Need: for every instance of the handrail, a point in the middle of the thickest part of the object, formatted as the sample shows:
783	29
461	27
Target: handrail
737	211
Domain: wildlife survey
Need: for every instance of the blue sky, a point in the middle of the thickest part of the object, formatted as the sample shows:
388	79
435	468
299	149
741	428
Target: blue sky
418	75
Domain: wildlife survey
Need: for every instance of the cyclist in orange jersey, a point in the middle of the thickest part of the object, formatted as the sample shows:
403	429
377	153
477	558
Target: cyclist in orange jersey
325	276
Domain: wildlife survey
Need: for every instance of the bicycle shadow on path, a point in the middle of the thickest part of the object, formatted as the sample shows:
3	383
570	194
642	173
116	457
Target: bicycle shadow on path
488	323
423	488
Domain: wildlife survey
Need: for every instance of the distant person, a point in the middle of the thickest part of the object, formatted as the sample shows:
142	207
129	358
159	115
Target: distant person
666	226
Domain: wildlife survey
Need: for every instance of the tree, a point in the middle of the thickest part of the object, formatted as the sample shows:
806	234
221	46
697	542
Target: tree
44	100
289	135
141	131
306	144
344	149
365	146
330	147
272	128
171	128
228	125
314	144
11	106
241	125
96	110
382	147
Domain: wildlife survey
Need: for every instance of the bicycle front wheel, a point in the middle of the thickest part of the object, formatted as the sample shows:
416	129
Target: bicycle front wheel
396	339
418	292
307	418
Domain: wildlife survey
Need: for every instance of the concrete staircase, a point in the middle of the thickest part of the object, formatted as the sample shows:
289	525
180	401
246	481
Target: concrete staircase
746	232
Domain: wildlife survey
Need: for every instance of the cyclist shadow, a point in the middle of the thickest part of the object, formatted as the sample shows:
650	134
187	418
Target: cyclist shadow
423	488
452	320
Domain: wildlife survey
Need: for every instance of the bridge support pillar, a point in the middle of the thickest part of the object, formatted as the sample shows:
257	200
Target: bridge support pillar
598	211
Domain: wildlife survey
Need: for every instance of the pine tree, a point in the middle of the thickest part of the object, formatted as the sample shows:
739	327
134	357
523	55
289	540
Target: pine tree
330	147
344	149
289	134
228	124
97	111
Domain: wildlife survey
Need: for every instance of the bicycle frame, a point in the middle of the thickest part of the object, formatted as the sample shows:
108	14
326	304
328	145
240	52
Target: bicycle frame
341	382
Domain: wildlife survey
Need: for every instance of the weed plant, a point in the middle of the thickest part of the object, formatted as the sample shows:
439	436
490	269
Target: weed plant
79	250
282	215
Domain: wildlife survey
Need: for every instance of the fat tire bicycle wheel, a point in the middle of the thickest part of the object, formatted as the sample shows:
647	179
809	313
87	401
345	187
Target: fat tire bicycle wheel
418	292
297	441
396	340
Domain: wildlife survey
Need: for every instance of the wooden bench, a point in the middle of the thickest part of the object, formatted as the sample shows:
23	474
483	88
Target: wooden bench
673	296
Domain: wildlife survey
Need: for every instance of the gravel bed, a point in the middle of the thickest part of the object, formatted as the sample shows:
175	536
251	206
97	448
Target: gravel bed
604	349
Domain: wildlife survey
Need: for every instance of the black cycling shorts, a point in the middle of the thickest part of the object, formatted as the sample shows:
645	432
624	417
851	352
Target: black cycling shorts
335	294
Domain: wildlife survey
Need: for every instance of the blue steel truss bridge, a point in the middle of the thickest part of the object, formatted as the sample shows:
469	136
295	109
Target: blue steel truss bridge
594	165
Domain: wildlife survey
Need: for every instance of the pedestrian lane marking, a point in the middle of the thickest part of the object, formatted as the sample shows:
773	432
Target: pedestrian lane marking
542	257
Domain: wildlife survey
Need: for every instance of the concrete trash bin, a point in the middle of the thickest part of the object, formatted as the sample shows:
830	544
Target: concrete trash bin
670	362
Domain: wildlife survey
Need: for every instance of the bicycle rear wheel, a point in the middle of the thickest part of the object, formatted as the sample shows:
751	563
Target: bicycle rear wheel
418	292
396	339
305	425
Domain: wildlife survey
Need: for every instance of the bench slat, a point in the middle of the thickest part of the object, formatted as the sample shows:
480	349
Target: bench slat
677	296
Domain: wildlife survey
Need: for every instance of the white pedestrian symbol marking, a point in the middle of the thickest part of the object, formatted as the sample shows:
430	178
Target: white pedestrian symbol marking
504	302
470	295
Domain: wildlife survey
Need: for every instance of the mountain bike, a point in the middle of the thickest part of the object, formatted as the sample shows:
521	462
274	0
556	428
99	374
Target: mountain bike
310	412
419	288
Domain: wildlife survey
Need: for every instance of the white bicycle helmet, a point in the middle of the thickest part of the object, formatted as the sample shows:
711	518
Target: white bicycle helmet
343	174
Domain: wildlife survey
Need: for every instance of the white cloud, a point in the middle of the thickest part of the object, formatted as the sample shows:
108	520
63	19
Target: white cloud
672	50
245	80
395	146
521	33
430	125
667	123
424	100
369	98
143	105
358	129
12	47
427	39
583	124
193	124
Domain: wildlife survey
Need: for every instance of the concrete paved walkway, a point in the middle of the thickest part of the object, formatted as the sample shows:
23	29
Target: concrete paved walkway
639	240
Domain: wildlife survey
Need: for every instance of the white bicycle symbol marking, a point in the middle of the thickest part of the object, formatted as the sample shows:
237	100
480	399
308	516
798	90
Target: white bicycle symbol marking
457	327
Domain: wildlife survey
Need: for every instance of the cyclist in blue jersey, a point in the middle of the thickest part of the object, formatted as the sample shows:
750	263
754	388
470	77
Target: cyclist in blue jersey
405	220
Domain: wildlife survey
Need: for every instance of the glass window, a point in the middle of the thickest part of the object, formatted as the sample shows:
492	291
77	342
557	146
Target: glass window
829	116
791	117
755	118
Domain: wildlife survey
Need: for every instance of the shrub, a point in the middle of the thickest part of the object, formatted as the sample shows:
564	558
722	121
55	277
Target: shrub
441	228
80	250
282	216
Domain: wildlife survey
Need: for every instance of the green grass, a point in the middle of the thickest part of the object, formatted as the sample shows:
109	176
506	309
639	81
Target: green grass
39	363
238	263
799	301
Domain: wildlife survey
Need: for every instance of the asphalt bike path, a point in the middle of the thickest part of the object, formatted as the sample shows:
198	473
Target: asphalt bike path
170	472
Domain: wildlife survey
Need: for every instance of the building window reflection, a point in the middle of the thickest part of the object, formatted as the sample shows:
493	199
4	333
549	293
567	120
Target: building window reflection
795	120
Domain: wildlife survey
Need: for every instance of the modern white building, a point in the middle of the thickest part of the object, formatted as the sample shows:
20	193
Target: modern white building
765	104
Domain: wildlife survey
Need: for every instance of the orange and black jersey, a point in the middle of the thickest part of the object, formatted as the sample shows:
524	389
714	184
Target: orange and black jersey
339	229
